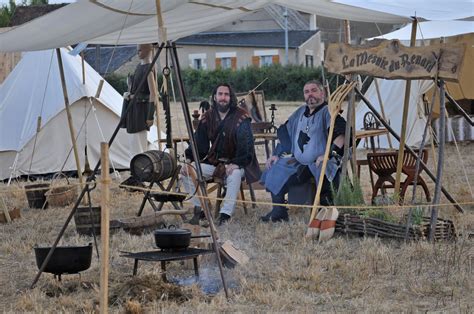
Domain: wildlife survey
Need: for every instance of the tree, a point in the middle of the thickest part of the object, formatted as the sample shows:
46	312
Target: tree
37	2
6	12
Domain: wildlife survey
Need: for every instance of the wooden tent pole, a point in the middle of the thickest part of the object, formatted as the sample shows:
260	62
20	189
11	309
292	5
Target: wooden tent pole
379	96
401	148
162	38
193	144
104	227
69	117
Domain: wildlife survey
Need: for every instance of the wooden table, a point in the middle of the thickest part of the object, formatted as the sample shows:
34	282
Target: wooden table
360	134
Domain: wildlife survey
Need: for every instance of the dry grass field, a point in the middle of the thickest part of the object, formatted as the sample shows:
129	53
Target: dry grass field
285	273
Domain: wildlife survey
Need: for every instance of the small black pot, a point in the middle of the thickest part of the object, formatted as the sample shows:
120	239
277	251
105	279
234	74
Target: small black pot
65	259
172	238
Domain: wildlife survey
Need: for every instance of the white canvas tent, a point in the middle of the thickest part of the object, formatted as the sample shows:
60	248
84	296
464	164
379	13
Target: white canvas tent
34	90
392	92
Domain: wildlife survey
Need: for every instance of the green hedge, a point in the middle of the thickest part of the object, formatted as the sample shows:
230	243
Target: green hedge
283	83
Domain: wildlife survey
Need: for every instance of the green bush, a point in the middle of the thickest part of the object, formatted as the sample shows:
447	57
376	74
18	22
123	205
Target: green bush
283	82
348	194
119	82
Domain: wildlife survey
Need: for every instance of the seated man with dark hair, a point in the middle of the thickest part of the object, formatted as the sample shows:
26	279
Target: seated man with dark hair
225	142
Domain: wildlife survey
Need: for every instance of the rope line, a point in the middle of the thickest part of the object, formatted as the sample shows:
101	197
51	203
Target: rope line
159	191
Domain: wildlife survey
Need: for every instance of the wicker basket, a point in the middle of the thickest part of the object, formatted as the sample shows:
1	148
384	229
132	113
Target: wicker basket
61	195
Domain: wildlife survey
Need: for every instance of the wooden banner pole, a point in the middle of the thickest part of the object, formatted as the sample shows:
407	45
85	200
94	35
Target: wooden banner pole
401	148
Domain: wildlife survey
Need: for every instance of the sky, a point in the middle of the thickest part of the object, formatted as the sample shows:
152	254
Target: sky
2	2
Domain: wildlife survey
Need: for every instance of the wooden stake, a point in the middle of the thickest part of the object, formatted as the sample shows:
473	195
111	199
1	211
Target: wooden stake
377	89
401	148
99	88
5	210
69	117
104	228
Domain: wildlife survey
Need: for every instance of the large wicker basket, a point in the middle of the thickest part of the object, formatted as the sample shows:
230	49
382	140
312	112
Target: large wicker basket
61	196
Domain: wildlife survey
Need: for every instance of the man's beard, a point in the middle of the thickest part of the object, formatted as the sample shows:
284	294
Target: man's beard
223	108
314	101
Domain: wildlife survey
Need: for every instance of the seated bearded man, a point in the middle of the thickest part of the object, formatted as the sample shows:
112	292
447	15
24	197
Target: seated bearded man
300	152
226	148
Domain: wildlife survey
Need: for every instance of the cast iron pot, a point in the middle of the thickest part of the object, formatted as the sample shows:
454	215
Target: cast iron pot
172	238
65	259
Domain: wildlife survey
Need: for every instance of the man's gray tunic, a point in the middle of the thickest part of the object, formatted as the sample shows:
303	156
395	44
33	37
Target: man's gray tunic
308	137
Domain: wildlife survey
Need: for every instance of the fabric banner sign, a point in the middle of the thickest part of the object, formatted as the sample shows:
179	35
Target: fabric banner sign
392	60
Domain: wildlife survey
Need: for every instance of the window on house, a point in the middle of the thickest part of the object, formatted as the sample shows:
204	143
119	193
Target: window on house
197	64
226	63
309	61
266	60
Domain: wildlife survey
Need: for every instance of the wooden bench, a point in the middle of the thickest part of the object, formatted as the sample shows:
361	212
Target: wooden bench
384	165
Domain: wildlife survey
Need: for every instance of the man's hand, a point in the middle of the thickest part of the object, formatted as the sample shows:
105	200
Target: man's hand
149	123
271	161
230	168
127	96
319	160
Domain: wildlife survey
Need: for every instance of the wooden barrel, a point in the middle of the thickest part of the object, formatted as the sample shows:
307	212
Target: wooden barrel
152	166
86	221
35	193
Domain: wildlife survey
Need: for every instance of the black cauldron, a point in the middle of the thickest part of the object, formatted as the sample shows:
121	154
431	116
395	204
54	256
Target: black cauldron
65	259
172	238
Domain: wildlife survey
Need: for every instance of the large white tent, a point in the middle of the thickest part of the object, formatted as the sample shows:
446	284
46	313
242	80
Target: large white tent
391	92
131	22
34	90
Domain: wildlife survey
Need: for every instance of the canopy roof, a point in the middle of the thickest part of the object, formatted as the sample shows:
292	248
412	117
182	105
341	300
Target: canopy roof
432	29
440	10
130	22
